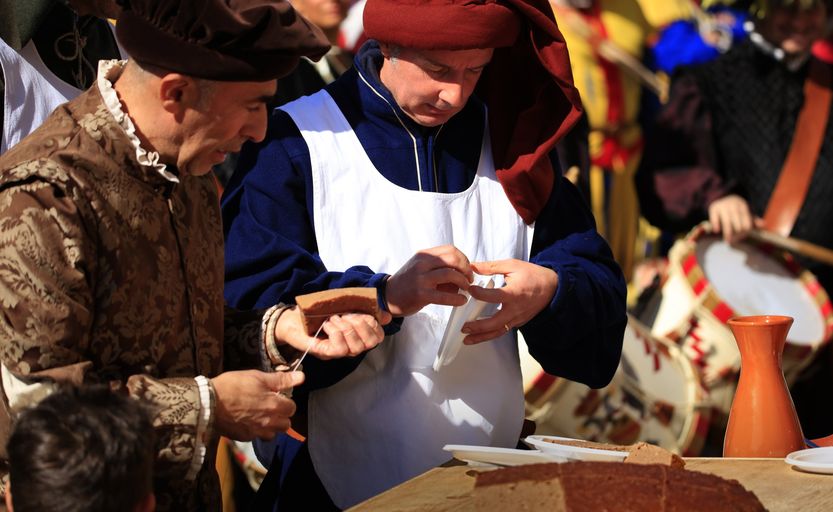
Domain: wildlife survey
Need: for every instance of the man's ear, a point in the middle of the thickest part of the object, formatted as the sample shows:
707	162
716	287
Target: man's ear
385	50
178	92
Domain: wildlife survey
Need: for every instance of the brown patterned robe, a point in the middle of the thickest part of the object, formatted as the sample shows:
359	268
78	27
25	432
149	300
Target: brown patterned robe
111	273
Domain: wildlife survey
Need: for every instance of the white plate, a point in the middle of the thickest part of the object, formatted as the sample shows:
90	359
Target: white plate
453	335
574	452
813	460
499	456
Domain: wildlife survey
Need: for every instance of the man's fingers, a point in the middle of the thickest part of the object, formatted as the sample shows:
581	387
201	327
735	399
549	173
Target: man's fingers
358	334
286	406
332	346
487	329
281	407
746	221
355	343
740	218
350	333
385	318
445	299
474	339
250	403
723	224
280	381
492	295
368	329
449	256
741	221
428	277
336	344
728	231
374	326
448	288
447	276
490	268
276	421
279	426
501	322
714	220
731	216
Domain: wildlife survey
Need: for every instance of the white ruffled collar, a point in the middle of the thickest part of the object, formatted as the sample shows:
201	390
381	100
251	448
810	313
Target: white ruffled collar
108	72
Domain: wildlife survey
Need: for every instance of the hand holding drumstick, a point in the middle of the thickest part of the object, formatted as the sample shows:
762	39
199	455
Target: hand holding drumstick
731	216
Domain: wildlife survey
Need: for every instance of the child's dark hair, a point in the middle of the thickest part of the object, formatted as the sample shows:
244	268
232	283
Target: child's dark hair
82	449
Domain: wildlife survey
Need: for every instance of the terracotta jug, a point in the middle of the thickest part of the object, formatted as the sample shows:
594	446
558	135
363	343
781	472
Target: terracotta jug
762	420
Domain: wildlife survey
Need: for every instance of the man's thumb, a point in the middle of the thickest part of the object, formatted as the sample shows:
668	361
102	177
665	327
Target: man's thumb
285	380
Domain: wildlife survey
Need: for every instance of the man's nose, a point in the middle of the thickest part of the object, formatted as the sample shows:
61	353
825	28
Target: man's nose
452	94
255	128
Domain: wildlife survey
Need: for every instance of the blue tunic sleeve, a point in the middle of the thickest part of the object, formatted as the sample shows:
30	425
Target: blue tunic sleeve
579	335
271	252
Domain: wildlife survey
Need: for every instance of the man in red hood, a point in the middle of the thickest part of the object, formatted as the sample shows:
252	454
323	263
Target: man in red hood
424	166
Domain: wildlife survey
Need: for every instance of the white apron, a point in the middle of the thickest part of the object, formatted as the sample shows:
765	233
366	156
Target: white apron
388	420
32	93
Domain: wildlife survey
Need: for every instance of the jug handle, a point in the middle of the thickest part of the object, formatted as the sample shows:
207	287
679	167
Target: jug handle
822	441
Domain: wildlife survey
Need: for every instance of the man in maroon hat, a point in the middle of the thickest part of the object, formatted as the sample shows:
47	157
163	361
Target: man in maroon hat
111	254
427	164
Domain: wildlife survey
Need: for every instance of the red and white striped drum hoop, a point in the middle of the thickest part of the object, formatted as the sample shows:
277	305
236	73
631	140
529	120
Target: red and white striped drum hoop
710	281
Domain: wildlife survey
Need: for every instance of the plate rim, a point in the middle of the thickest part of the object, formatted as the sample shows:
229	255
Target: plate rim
495	449
794	459
535	438
538	455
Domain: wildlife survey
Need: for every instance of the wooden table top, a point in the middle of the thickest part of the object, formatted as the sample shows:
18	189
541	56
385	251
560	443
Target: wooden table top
777	485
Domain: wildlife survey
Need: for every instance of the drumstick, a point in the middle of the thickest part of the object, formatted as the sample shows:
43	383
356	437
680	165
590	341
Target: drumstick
802	247
610	50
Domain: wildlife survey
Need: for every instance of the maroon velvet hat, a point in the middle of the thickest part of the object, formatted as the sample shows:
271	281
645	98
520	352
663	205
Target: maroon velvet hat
442	25
228	40
528	86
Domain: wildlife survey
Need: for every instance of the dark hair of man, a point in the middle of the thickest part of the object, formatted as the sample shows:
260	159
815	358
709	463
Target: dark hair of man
82	449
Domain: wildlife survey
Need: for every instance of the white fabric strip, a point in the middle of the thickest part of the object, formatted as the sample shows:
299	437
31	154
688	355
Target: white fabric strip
202	424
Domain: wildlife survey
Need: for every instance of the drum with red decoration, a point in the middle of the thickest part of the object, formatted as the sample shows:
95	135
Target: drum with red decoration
710	281
655	396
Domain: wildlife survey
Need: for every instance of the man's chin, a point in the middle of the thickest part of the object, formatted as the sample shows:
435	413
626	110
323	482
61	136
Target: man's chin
196	169
200	171
432	120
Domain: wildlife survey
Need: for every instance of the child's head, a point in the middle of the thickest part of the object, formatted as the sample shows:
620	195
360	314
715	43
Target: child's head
82	449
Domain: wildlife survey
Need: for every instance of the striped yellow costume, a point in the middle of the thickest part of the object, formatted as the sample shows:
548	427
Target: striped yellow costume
611	97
